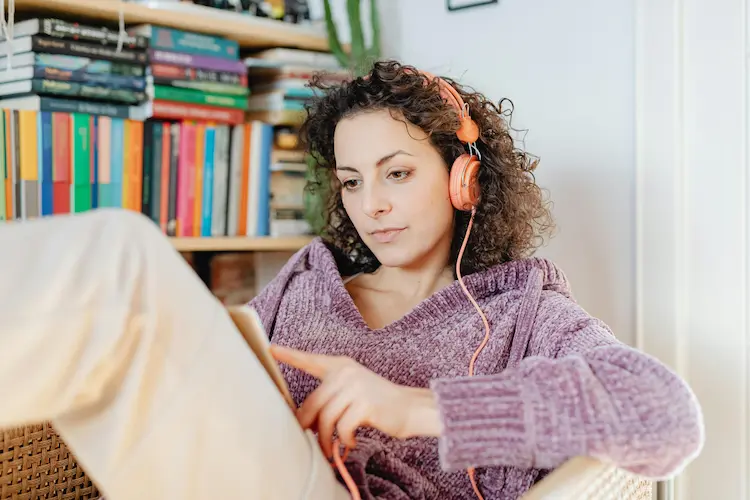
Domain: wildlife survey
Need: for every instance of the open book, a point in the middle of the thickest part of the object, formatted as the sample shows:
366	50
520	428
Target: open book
250	326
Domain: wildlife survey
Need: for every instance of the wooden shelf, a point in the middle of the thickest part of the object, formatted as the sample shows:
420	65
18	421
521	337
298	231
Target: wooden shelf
249	31
240	244
288	118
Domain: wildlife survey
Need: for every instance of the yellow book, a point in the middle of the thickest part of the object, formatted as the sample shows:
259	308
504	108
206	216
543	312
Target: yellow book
27	135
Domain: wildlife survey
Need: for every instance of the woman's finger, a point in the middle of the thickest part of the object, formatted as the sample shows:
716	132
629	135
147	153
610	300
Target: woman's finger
317	365
327	419
348	424
307	413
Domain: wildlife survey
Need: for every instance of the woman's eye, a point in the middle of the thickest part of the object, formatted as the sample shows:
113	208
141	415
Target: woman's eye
400	175
350	184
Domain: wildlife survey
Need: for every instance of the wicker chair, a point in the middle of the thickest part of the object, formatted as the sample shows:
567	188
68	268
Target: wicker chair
585	478
36	464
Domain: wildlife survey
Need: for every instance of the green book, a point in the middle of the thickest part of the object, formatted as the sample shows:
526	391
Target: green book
198	97
80	172
3	175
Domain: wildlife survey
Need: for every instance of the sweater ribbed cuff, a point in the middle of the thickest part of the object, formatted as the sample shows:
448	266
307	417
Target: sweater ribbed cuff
485	421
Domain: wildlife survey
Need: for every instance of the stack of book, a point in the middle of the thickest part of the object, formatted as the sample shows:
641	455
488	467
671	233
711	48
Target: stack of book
194	76
191	178
54	65
69	78
278	80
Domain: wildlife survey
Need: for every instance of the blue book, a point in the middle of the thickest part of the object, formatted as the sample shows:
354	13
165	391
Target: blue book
95	160
264	198
117	158
175	40
208	181
44	155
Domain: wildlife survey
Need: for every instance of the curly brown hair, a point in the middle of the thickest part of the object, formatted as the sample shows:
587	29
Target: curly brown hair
512	216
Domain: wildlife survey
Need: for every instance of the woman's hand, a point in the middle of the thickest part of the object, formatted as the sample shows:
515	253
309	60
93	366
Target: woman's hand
350	396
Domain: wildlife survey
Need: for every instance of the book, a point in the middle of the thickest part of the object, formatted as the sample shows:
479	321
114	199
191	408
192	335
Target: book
248	323
57	28
42	44
175	40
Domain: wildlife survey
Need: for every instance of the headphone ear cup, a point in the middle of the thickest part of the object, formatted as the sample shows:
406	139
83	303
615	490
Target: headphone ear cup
464	182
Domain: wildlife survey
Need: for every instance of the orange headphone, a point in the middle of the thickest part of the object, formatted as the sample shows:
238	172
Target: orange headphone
464	195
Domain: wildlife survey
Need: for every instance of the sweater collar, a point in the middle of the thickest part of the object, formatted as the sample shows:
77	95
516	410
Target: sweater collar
496	280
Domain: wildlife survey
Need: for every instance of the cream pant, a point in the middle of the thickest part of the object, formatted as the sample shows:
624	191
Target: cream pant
108	333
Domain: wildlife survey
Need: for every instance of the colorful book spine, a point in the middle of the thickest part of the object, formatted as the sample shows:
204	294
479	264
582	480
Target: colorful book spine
221	182
197	97
80	181
208	181
211	87
171	71
169	110
28	161
200	137
46	177
58	28
166	164
186	180
94	166
3	174
173	179
61	147
200	62
46	45
117	158
187	42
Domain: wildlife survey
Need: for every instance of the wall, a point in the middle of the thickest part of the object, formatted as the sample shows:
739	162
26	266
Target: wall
569	69
692	208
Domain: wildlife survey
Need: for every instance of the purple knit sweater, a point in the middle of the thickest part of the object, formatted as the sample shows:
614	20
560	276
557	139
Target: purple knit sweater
551	384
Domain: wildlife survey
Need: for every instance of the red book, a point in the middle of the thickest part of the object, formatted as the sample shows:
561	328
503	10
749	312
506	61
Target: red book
172	110
61	163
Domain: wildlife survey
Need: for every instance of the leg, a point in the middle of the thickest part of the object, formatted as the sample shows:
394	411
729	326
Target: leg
108	333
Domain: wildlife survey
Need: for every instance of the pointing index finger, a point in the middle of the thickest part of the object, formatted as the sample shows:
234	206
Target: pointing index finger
315	364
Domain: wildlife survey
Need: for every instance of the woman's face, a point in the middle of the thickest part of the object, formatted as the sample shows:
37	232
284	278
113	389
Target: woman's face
394	187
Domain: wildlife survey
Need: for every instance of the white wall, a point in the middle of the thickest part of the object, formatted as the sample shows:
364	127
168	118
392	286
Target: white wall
568	67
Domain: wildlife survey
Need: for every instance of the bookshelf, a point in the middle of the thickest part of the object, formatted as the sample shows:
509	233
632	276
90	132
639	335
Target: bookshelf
248	31
239	244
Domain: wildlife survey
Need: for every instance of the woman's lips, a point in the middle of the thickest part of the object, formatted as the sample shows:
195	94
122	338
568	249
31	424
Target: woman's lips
387	235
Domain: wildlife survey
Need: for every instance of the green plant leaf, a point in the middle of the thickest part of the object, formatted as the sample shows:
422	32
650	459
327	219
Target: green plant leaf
333	37
374	51
358	38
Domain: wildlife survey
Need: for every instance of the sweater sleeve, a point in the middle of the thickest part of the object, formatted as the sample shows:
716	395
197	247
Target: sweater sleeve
598	398
266	303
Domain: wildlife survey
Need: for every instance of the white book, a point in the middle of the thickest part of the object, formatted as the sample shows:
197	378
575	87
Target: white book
253	189
221	179
235	179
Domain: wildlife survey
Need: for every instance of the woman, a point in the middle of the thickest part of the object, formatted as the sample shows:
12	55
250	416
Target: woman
377	336
107	332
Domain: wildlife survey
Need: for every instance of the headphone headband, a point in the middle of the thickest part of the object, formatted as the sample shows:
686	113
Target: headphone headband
468	131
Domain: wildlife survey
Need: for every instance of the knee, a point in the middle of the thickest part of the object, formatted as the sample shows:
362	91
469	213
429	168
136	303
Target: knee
128	227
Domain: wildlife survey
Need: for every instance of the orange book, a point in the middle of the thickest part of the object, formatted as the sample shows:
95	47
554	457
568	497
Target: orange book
136	186
127	157
242	215
9	166
166	153
200	134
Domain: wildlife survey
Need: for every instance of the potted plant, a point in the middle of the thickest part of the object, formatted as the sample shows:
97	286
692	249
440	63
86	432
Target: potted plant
358	62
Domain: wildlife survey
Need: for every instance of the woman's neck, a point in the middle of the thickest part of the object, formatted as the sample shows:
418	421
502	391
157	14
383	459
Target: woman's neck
414	284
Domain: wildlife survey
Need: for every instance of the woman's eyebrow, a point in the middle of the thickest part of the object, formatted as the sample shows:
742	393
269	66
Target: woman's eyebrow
379	163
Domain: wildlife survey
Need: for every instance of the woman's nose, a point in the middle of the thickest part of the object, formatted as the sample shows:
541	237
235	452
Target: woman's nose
375	202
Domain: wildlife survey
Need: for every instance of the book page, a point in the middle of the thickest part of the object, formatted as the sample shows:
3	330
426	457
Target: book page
248	323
